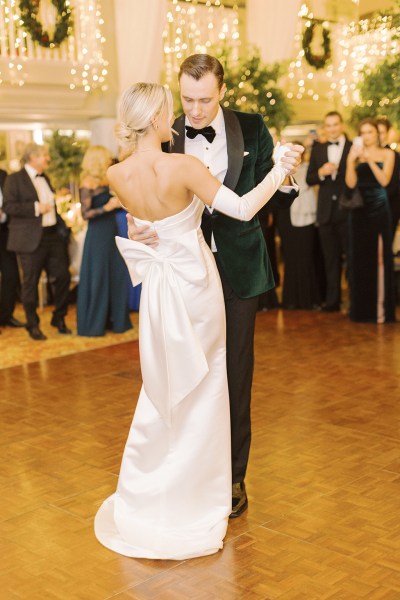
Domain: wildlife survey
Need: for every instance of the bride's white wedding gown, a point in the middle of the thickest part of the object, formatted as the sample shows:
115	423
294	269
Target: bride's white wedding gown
173	496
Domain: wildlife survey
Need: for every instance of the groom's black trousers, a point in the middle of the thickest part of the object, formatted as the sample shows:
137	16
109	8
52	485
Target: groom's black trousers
240	324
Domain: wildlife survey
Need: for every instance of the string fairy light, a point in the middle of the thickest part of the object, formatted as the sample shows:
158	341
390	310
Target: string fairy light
193	27
305	80
361	47
89	69
83	49
357	48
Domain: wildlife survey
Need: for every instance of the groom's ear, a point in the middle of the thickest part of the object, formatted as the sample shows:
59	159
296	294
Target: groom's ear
222	91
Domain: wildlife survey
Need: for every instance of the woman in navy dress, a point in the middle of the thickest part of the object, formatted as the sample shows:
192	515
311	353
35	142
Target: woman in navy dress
371	277
103	286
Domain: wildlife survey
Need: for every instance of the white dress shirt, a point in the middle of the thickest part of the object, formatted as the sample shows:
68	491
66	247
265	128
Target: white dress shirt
45	195
335	152
214	155
303	211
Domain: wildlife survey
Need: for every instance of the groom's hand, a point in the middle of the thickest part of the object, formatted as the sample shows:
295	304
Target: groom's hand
293	158
143	234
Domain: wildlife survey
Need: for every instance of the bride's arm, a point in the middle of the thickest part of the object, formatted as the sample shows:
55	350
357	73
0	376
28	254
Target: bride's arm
196	177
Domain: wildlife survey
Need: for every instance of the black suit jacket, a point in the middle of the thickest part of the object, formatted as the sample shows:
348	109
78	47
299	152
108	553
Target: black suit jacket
241	245
25	229
393	189
329	189
3	175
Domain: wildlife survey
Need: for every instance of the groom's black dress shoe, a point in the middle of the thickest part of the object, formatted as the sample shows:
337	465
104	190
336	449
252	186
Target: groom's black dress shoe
61	326
239	500
12	322
36	333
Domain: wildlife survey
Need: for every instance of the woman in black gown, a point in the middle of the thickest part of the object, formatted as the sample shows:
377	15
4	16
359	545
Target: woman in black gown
370	168
299	245
103	284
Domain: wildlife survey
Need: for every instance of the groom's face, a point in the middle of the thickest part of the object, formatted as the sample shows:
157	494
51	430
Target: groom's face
200	99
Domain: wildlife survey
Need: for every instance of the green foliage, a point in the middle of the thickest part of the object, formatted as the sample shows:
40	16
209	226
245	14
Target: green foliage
30	22
252	87
66	154
318	61
380	93
380	88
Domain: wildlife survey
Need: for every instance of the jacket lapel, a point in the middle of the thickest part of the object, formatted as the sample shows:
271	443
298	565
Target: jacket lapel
28	182
235	147
179	140
324	153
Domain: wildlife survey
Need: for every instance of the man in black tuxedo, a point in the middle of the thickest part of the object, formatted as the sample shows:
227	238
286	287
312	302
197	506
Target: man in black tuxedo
393	189
39	237
237	148
8	268
327	169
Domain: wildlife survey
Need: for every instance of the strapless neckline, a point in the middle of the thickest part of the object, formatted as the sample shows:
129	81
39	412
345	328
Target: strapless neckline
166	219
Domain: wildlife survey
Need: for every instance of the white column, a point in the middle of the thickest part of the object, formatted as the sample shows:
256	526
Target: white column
103	134
138	37
271	26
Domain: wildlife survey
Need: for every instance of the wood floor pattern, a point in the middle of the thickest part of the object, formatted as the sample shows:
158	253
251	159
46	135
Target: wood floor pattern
323	483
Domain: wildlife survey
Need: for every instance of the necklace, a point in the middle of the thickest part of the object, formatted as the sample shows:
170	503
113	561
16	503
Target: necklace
148	150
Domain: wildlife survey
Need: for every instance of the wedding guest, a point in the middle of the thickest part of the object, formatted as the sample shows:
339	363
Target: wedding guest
393	189
38	234
103	287
370	168
321	135
173	497
297	232
237	148
9	280
327	170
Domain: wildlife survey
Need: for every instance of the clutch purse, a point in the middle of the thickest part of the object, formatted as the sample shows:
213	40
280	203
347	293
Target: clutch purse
350	199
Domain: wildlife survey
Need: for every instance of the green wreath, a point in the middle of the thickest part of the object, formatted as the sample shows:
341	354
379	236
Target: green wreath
29	14
315	60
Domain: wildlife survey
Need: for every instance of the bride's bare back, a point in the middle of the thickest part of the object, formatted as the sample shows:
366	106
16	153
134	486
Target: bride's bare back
152	185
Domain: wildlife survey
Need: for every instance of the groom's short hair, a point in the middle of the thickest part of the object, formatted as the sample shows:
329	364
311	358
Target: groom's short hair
198	65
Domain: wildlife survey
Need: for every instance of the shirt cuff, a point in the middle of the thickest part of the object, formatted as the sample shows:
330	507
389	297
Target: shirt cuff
37	210
286	189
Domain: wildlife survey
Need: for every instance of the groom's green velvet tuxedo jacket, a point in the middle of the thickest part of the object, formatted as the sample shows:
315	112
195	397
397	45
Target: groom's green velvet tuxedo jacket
241	245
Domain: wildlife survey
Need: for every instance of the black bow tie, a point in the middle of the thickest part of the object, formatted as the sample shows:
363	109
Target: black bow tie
207	132
39	175
333	143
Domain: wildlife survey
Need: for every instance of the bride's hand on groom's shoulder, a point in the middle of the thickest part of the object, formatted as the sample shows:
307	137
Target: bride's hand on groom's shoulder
143	234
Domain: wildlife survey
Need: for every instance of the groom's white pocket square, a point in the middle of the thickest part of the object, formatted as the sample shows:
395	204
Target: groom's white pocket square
245	153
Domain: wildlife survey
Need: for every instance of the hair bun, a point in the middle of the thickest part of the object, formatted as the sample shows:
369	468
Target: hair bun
123	131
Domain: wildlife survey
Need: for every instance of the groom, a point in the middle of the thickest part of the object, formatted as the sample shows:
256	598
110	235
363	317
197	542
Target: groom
237	148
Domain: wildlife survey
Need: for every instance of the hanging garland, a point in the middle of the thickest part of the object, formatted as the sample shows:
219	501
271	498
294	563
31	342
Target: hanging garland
29	14
315	60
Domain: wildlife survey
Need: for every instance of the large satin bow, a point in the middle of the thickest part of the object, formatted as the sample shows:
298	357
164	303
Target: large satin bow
172	360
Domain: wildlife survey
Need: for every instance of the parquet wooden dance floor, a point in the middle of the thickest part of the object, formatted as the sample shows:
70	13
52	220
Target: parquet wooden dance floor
323	482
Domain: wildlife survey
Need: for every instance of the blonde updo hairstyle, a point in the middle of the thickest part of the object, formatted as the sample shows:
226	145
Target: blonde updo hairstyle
138	106
95	163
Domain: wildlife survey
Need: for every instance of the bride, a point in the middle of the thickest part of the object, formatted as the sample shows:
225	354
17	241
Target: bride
173	496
